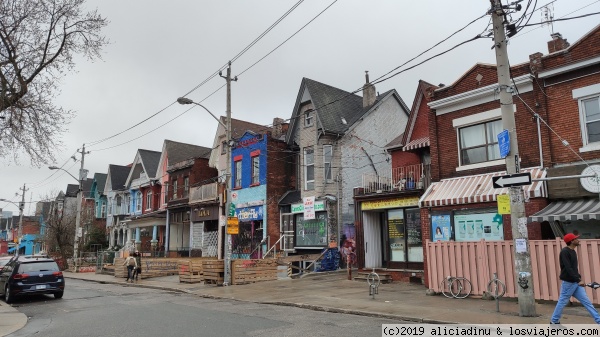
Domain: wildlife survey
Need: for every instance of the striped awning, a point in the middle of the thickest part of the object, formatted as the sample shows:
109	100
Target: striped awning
478	188
417	143
575	209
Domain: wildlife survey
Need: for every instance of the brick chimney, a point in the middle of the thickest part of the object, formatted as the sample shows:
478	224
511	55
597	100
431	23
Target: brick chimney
535	63
369	96
557	43
279	127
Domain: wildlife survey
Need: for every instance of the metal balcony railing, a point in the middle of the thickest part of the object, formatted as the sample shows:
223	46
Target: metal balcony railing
404	178
208	192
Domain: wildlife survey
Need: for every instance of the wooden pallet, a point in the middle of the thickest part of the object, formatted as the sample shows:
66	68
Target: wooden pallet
191	278
213	271
251	271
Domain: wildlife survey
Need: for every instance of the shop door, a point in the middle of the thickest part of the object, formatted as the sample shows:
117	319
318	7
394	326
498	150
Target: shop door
372	233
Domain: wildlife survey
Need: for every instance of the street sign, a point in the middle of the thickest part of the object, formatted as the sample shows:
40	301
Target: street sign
504	143
510	180
233	225
232	220
231	209
503	204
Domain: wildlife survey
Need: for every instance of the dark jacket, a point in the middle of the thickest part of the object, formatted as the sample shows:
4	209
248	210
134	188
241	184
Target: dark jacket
568	265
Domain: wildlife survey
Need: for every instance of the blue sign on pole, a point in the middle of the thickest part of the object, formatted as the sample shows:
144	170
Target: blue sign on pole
504	143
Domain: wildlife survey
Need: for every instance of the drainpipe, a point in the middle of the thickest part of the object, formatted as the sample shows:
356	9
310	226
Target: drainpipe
168	231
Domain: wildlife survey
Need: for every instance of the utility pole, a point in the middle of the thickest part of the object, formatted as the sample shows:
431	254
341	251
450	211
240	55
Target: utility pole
523	270
227	245
82	175
21	207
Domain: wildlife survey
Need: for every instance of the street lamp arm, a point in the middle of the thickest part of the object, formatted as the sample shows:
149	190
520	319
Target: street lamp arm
6	200
62	169
184	100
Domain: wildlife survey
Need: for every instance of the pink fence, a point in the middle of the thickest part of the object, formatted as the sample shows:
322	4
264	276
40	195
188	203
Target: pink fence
477	261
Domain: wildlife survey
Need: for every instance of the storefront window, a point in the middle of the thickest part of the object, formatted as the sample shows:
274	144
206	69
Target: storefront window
311	233
396	235
474	227
414	235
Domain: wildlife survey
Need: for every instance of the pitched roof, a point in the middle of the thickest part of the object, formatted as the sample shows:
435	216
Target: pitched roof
72	190
396	142
150	161
239	127
178	152
100	179
86	187
118	176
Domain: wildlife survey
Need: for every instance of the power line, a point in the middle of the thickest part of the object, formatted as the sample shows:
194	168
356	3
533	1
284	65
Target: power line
563	19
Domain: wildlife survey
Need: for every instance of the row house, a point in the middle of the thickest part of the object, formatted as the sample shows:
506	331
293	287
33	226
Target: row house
97	193
386	203
117	205
261	173
185	166
557	114
141	193
332	133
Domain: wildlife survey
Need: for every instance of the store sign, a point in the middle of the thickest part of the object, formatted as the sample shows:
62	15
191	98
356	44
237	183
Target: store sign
204	213
309	208
250	213
389	203
299	208
474	227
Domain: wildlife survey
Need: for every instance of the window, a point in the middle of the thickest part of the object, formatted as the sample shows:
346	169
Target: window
174	184
166	193
238	174
224	147
138	201
186	186
255	170
103	210
309	169
327	156
149	200
308	118
591	119
479	143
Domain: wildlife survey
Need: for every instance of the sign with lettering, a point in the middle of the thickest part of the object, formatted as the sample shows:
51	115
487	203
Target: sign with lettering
503	204
204	213
299	208
249	141
309	208
389	203
250	213
311	233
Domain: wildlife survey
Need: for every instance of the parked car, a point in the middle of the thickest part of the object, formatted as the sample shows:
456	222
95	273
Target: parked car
29	275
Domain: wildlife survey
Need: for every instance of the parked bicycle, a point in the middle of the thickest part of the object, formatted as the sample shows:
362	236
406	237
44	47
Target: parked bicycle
496	288
456	287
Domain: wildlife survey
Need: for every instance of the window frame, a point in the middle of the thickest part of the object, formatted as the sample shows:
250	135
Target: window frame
103	210
308	118
138	201
484	145
186	186
327	164
309	185
255	170
583	117
237	174
174	194
148	200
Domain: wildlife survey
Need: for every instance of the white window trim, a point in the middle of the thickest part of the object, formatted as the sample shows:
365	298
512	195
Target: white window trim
255	173
481	165
237	173
149	200
308	118
306	181
138	202
330	164
581	94
482	117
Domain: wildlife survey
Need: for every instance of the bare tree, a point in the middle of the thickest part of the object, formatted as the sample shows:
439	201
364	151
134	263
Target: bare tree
38	42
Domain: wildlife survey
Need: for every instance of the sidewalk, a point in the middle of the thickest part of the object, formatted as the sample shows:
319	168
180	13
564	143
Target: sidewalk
11	320
332	292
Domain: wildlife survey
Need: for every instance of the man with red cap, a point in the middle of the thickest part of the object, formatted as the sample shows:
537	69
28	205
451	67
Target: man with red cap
571	281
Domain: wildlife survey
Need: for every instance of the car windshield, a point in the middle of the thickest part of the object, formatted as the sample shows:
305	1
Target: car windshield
29	267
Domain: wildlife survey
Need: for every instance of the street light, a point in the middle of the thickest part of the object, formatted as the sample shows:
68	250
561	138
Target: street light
77	216
227	258
20	233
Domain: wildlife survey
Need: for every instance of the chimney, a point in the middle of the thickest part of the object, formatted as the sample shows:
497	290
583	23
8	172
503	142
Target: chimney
535	63
278	127
557	43
368	92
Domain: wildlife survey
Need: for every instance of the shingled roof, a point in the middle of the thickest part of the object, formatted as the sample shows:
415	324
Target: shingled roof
100	179
86	187
118	176
72	190
150	161
239	127
179	152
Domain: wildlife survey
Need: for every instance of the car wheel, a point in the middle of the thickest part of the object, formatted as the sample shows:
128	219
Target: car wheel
7	296
58	295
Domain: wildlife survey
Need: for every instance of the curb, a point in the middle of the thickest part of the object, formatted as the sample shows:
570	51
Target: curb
10	314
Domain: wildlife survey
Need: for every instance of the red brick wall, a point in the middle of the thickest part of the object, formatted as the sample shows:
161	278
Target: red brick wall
401	158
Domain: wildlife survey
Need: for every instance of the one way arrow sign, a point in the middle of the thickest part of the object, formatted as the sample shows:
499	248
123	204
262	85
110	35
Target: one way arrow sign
510	180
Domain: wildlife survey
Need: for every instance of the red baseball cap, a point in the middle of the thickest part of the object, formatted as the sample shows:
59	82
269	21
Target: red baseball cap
570	237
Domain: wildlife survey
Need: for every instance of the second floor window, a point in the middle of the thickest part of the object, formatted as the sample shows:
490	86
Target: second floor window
174	184
591	118
165	193
138	202
327	157
238	174
308	119
103	210
149	200
479	143
309	169
224	147
186	186
255	170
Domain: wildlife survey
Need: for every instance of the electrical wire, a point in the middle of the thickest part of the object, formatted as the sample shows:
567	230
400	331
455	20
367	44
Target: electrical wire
545	22
563	19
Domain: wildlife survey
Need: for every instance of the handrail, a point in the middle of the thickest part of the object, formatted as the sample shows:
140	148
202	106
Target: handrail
274	246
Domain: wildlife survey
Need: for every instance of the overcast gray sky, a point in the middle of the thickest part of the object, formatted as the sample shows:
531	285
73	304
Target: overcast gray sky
161	50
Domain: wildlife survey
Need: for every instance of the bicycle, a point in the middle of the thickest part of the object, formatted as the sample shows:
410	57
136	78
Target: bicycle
496	288
456	287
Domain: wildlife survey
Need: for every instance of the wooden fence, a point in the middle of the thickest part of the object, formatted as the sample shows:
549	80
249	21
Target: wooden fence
477	261
250	271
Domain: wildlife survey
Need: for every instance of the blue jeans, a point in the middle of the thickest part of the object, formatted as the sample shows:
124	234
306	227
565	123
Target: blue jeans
568	289
129	272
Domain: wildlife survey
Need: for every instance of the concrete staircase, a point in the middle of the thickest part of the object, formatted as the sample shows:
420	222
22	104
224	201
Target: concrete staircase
362	276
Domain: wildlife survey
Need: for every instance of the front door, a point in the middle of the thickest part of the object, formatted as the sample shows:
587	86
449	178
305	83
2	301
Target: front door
372	234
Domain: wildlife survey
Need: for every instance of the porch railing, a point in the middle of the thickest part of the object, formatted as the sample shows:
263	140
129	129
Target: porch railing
208	192
402	178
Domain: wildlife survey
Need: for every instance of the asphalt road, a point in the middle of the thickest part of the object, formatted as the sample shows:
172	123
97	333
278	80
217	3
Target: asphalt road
93	309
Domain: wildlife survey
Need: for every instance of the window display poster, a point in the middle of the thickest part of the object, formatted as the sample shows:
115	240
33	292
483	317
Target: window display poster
440	227
474	227
311	233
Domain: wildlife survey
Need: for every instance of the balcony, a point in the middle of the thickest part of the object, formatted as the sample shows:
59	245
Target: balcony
204	193
398	179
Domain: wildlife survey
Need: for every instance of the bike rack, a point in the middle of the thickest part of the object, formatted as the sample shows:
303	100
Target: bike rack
374	281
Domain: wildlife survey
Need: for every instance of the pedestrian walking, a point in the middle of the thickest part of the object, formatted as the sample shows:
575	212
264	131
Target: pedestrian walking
571	281
138	268
131	264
